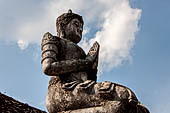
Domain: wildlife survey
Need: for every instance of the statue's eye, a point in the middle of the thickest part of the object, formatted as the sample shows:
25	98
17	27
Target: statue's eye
76	24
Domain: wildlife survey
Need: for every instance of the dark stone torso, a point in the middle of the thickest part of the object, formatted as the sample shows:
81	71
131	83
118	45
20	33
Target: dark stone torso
70	50
67	51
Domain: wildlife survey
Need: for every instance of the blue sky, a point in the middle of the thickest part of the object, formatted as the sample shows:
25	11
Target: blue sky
145	68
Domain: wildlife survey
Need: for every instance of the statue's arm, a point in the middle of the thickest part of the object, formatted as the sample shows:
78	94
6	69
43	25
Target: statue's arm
50	63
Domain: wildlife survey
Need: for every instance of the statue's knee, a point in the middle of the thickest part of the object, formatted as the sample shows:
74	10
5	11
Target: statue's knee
106	86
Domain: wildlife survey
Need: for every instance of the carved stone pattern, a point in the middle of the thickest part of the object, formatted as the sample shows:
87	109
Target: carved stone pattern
49	47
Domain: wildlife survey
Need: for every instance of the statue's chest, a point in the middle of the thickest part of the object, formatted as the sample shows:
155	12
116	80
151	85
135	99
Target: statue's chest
69	50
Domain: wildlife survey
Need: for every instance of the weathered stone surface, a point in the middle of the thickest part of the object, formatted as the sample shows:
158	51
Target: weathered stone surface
10	105
116	100
73	87
111	107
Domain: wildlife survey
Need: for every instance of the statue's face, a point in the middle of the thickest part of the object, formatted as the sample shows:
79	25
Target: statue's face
74	30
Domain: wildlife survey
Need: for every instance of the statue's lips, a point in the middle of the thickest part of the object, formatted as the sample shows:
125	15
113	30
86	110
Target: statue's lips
78	36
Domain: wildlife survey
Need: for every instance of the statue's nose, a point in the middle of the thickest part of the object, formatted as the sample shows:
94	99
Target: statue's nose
81	29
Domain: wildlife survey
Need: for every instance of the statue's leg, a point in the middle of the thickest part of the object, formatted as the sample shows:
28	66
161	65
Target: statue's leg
100	92
62	99
115	92
58	98
89	95
111	107
142	109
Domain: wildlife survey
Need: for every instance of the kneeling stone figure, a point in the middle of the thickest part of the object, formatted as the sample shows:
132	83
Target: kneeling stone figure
73	87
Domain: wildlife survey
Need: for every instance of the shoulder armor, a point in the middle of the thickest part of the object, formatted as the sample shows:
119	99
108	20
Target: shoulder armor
48	38
50	45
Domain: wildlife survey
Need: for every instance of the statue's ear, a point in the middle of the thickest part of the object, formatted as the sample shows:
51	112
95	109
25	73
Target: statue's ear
62	34
61	31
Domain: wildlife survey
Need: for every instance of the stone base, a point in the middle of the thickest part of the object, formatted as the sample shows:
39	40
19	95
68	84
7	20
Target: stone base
112	107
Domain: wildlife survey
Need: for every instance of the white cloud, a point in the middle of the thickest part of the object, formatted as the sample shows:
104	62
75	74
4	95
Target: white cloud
22	44
86	31
115	21
117	34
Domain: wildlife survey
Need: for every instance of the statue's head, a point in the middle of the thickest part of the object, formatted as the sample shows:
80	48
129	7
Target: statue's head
70	26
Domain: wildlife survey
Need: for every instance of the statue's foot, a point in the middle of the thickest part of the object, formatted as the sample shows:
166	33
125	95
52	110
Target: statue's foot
106	90
86	86
106	87
70	85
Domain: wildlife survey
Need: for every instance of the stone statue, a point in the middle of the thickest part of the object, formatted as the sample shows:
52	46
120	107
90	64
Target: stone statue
73	87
